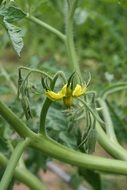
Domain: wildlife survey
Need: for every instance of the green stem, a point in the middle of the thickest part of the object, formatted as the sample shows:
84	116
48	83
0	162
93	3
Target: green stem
48	102
43	114
111	147
114	88
24	176
48	27
58	151
9	172
14	121
35	71
73	60
79	159
108	122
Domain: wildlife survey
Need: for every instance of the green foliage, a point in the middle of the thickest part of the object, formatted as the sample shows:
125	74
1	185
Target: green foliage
4	90
15	34
12	14
100	36
75	181
123	3
92	177
35	161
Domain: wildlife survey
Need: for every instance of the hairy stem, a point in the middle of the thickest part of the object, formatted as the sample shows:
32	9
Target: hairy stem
58	151
35	71
70	46
43	114
112	147
9	172
79	159
14	121
108	121
48	27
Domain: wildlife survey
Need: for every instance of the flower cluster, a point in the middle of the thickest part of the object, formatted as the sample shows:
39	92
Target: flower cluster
67	92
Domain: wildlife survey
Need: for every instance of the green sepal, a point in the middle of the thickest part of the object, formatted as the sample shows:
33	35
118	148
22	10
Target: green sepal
45	83
70	81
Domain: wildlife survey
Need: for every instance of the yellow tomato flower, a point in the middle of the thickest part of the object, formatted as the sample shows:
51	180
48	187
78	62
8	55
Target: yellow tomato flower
79	90
66	93
54	96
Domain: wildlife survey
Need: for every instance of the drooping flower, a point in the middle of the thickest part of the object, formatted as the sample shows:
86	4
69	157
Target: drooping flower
67	94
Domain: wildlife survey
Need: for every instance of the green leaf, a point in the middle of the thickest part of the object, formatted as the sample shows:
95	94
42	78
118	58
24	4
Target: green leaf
75	181
11	14
92	177
91	141
15	34
14	14
35	161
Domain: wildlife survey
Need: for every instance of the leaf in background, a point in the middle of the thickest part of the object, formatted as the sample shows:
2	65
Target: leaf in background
9	15
67	139
13	14
91	141
35	161
92	177
75	181
4	90
15	34
123	3
3	145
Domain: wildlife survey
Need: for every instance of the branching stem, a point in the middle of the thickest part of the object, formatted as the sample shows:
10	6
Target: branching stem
48	27
9	172
24	176
58	151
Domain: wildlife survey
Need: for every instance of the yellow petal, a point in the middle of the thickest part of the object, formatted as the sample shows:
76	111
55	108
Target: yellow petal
64	90
79	90
54	96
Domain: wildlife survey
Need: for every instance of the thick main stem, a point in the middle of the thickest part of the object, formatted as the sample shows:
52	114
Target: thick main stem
14	121
114	149
9	172
79	159
73	60
58	151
